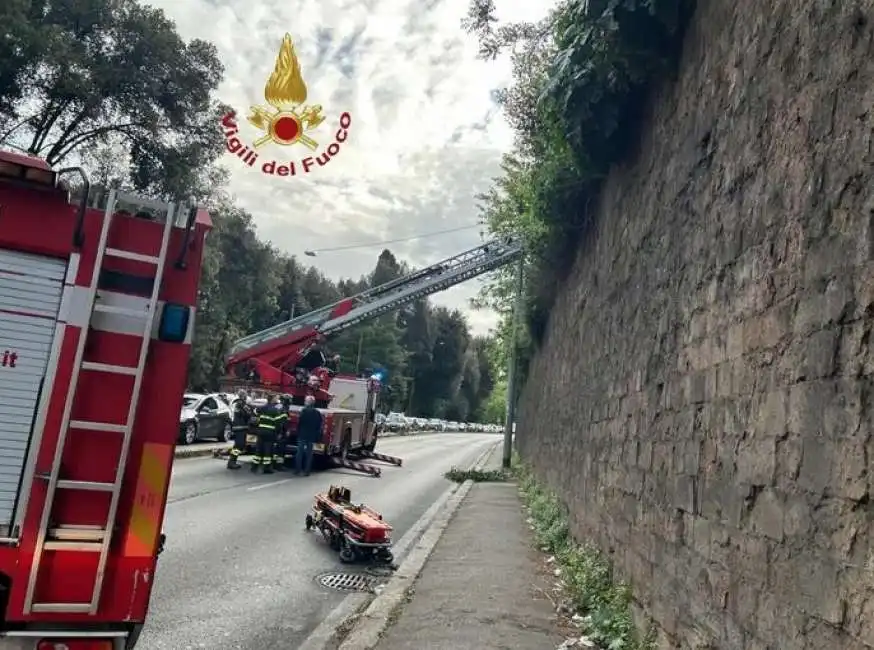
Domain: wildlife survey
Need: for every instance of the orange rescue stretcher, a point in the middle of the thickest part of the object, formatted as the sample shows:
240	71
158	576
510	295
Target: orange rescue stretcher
357	532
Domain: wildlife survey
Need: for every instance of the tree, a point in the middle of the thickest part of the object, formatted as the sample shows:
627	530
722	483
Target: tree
418	340
96	72
110	85
495	407
387	269
581	78
238	294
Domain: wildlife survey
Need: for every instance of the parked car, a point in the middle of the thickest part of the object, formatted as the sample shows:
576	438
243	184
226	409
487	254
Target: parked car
397	422
436	425
204	417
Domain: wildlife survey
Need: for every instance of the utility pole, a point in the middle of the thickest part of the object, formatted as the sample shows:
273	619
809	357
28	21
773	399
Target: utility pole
511	367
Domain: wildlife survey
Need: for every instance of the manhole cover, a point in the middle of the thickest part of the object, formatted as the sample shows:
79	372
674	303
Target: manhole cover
348	581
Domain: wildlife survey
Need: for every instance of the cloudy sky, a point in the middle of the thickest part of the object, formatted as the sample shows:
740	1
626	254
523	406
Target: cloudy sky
425	136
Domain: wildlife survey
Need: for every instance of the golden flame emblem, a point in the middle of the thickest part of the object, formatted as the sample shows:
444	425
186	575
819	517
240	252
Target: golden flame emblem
286	92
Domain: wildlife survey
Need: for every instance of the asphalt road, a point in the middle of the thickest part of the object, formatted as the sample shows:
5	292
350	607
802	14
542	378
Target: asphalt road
238	572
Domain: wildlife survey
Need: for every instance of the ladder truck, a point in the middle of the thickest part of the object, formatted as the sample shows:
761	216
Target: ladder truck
96	319
288	359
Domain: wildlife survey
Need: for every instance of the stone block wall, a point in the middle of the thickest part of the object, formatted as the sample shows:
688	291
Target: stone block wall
704	398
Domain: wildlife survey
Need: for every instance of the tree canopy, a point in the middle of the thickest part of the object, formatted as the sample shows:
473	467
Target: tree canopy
111	84
80	75
582	77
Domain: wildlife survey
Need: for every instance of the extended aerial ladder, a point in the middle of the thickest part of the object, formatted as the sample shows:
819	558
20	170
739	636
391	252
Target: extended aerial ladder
270	358
272	353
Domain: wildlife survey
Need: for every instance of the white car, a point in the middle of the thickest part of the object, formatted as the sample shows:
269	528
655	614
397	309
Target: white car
436	425
396	422
204	416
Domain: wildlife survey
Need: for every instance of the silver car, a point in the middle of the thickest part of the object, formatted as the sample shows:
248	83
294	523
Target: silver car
204	417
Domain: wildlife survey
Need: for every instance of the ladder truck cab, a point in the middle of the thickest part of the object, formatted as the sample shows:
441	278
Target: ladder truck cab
96	317
288	359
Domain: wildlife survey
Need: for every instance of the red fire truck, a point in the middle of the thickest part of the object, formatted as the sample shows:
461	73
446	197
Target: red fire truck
96	318
288	358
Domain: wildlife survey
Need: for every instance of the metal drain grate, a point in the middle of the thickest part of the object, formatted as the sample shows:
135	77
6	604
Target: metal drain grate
348	581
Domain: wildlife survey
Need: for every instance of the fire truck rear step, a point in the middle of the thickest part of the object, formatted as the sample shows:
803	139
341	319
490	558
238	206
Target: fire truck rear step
88	539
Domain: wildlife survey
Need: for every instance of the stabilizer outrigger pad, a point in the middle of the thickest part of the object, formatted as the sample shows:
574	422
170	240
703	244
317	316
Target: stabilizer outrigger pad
337	462
385	458
375	472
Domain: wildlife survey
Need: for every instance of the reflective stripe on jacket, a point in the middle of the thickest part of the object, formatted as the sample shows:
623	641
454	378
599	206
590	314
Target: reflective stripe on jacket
272	419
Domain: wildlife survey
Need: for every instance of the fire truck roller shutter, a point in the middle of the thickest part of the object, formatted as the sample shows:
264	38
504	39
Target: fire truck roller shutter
31	287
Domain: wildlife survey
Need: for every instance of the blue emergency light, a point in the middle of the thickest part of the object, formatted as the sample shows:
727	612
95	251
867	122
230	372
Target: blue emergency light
174	323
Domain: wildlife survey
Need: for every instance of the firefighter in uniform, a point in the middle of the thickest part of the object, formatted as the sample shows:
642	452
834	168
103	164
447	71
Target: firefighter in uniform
271	420
243	414
281	437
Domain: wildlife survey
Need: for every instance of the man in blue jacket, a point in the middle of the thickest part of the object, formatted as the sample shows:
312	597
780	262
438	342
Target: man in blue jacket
309	431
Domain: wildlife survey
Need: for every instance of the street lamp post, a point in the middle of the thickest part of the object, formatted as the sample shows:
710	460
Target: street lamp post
512	370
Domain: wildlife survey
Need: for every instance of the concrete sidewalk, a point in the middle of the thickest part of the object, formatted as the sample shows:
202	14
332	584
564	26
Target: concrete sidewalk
481	587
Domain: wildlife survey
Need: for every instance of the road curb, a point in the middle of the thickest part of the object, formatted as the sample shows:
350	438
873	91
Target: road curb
368	629
199	452
343	620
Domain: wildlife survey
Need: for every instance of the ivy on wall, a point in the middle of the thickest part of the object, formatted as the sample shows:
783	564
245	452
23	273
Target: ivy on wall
582	80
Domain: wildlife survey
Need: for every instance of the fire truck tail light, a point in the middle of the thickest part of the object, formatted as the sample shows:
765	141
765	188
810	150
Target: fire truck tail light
75	644
174	323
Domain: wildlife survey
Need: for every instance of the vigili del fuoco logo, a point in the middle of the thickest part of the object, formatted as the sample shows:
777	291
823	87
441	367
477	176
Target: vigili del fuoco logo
289	121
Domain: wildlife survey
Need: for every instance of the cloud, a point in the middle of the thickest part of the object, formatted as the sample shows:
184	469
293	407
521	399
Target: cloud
425	136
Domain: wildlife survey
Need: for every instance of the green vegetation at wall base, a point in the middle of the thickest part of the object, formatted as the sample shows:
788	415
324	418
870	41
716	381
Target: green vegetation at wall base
587	575
477	475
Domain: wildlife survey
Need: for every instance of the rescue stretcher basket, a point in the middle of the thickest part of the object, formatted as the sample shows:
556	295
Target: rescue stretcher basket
358	533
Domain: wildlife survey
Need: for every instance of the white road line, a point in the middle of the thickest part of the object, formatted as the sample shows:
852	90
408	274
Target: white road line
267	485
